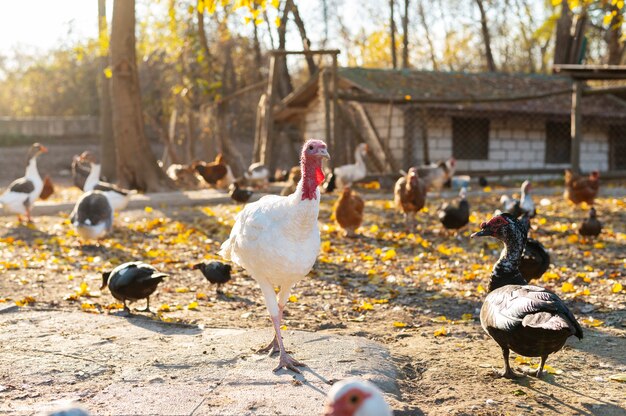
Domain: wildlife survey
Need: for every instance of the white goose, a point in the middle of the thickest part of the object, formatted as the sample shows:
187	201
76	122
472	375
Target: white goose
118	198
22	193
346	175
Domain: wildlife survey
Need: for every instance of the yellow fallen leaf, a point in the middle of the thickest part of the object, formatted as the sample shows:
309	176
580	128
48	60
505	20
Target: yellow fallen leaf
523	360
567	287
399	324
87	306
591	321
440	318
389	254
480	289
621	377
201	296
283	327
598	245
192	306
293	298
573	238
441	332
467	317
114	306
487	189
617	287
164	308
148	209
25	301
374	229
325	247
365	306
182	289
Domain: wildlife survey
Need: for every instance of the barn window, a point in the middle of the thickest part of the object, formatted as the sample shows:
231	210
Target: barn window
470	138
558	142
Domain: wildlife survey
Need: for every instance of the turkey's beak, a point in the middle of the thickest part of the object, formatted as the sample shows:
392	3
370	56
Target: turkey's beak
324	153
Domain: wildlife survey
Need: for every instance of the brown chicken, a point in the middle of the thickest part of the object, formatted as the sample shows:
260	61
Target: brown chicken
294	177
348	211
48	188
580	189
410	195
213	171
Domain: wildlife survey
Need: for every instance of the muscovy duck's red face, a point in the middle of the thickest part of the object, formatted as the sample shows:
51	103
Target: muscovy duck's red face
495	227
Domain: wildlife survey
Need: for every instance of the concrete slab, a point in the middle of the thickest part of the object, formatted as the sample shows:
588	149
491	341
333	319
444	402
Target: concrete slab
113	365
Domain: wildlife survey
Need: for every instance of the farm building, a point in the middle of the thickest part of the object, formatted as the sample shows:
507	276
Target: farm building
487	121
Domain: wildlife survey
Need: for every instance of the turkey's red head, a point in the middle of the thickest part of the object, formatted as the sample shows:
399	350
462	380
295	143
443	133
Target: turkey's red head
313	152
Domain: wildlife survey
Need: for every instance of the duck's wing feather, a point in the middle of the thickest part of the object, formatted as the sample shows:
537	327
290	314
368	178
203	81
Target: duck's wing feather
531	306
22	185
136	273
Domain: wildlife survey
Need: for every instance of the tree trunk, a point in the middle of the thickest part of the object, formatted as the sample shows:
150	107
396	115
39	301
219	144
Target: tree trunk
405	35
283	81
491	64
306	43
431	47
392	28
107	144
563	35
137	167
204	43
258	58
613	37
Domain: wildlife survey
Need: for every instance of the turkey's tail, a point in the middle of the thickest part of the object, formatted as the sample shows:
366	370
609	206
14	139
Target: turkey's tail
226	250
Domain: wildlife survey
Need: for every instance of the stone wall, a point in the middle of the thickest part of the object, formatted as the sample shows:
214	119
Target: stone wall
514	143
43	127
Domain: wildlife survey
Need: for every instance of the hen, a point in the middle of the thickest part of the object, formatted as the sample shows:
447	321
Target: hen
348	211
580	189
346	175
529	320
183	175
277	240
410	195
213	171
48	188
294	178
436	175
22	193
455	217
356	397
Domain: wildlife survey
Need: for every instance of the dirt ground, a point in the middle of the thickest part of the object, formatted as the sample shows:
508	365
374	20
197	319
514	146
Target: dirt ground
417	292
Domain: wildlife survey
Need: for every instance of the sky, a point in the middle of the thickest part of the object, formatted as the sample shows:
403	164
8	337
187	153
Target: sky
39	25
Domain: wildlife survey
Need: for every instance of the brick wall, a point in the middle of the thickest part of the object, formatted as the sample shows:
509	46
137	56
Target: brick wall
42	127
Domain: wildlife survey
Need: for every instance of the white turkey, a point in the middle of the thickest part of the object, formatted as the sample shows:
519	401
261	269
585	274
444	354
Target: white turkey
277	240
22	193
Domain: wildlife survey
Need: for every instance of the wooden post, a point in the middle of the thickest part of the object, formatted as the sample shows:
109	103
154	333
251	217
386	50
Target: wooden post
335	146
267	139
576	126
324	88
424	130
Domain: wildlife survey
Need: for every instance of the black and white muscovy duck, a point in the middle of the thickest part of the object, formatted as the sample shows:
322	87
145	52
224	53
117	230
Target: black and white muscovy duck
535	259
80	171
529	320
455	217
133	281
22	193
257	175
215	272
118	197
517	207
591	227
92	216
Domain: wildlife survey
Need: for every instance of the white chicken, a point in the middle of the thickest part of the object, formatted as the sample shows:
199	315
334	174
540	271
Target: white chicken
356	397
22	193
277	240
436	175
346	175
118	198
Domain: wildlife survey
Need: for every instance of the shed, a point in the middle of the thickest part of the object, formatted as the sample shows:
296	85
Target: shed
487	121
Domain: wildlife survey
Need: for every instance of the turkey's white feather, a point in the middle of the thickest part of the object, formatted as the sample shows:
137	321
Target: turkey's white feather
276	239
